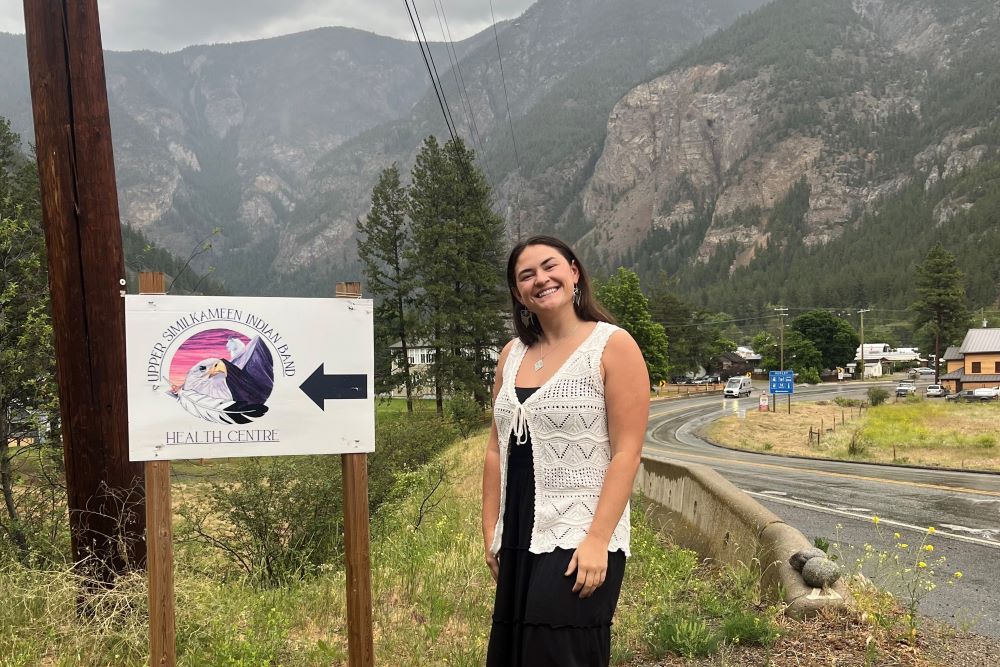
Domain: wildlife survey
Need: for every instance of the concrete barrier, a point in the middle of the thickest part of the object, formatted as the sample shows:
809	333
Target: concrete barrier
704	512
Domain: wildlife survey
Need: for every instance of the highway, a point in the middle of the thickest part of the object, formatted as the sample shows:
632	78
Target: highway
837	500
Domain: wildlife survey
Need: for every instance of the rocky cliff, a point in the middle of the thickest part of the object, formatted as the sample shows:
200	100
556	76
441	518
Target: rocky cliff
845	95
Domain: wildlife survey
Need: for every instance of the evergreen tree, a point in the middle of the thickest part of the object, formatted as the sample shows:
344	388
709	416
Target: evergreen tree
941	317
456	257
622	295
481	248
834	337
383	240
28	393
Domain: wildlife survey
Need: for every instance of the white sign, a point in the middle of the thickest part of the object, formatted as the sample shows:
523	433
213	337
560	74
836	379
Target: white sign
212	377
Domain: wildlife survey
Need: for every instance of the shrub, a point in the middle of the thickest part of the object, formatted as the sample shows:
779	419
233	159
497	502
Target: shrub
809	376
679	631
845	402
877	395
466	414
859	444
748	628
273	518
277	519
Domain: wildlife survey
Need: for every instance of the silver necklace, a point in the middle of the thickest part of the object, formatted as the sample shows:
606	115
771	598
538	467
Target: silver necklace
541	355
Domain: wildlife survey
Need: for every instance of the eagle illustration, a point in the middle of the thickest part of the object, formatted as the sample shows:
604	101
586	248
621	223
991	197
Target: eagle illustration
230	391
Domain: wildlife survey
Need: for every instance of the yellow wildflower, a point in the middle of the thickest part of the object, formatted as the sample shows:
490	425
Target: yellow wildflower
921	564
896	535
931	530
875	520
958	575
928	547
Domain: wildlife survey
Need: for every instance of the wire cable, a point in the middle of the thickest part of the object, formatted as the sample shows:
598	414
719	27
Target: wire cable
510	122
463	91
430	54
427	64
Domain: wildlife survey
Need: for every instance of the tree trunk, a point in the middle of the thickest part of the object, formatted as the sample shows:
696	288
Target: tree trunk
7	482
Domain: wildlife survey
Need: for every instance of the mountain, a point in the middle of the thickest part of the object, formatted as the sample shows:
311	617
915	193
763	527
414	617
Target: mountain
809	154
278	142
226	135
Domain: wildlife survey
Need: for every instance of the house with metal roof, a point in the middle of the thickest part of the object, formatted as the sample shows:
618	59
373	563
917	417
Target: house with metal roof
975	363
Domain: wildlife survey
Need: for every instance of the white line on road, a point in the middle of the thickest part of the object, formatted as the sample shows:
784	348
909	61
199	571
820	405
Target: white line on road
868	519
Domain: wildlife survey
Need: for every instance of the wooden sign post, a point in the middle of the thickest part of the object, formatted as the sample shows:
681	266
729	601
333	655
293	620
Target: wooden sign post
357	548
159	539
219	377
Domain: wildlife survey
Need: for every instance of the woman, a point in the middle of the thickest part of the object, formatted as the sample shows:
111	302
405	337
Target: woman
571	401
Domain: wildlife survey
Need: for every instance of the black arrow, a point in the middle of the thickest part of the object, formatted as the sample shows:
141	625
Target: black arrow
319	387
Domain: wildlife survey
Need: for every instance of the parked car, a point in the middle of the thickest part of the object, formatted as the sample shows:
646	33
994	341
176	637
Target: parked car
983	394
906	388
987	393
936	390
924	370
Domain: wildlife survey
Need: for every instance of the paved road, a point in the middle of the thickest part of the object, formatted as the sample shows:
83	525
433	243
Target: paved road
818	496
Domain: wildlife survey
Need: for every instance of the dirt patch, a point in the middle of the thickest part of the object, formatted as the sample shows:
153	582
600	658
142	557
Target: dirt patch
848	642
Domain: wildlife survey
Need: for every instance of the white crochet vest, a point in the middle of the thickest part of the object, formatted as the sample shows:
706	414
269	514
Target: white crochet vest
568	423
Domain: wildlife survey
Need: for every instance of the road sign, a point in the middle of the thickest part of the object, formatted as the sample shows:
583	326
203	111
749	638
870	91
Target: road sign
213	377
781	382
762	404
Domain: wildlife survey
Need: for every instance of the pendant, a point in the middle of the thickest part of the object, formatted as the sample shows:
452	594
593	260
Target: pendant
539	364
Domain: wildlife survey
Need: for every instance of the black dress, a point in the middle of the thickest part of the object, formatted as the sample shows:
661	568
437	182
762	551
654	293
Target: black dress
538	621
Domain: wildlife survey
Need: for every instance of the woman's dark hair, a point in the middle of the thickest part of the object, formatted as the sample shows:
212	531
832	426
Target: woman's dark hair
587	309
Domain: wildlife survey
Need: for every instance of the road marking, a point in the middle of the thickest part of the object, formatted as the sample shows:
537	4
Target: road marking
842	475
868	519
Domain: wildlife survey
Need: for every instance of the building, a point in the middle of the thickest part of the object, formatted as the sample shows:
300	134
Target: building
975	363
421	356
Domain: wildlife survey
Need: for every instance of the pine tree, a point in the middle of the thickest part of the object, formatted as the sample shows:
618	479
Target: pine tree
457	260
383	240
940	311
622	295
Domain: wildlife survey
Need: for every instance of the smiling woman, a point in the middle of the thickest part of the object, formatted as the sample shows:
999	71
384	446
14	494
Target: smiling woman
560	463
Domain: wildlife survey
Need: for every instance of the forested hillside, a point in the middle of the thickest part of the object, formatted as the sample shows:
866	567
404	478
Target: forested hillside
821	149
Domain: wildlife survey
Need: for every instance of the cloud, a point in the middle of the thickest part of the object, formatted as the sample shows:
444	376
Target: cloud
169	25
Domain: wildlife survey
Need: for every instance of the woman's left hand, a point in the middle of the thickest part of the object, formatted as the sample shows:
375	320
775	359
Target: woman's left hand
590	561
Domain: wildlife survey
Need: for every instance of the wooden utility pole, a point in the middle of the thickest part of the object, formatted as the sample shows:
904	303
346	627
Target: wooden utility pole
862	314
782	311
357	543
86	276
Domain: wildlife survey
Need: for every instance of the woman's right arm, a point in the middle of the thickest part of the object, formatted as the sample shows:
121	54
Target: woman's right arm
491	475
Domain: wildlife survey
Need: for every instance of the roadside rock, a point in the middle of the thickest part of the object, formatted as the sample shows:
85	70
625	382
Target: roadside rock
799	558
820	572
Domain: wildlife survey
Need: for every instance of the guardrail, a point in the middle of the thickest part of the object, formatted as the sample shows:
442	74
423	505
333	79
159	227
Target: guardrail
703	511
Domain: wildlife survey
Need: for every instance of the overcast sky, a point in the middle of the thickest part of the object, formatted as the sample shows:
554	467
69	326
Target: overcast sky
169	25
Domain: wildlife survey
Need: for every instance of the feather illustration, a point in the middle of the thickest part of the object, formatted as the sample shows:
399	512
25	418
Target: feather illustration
220	410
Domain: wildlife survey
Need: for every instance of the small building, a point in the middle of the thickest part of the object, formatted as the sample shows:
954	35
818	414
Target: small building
421	355
975	363
728	364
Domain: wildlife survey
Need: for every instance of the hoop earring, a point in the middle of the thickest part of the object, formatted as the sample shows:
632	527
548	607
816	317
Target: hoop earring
576	295
527	318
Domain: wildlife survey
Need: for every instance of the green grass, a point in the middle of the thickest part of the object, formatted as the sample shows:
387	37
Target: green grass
432	597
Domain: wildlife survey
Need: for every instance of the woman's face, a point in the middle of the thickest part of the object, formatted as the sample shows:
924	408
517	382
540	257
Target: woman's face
544	279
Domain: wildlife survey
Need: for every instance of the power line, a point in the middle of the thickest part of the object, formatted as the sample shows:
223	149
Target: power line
510	122
460	84
445	111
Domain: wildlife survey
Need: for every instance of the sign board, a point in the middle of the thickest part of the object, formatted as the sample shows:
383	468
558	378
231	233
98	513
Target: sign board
781	382
212	377
762	405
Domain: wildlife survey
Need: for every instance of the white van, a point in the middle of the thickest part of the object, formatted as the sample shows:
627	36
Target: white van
737	386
